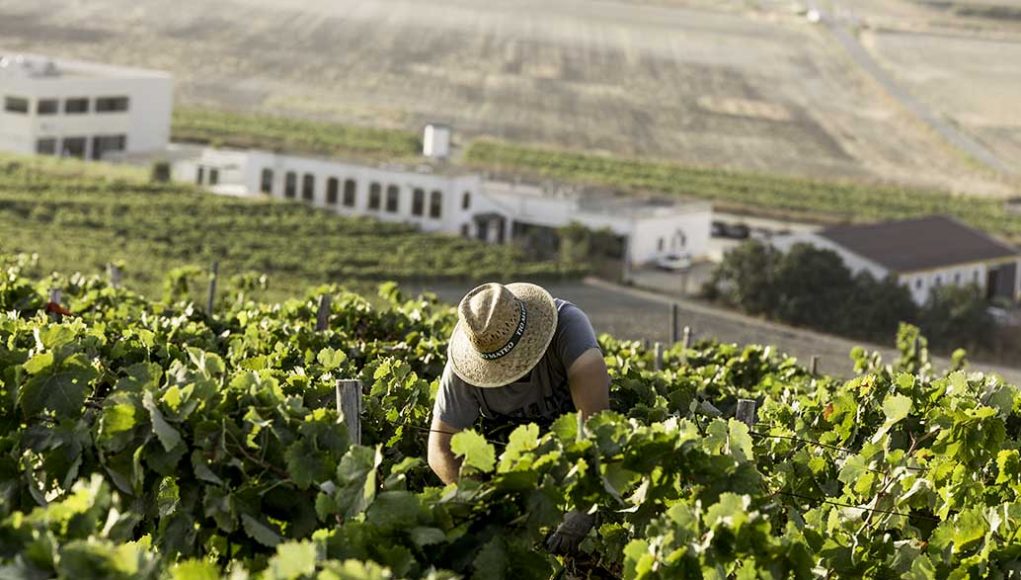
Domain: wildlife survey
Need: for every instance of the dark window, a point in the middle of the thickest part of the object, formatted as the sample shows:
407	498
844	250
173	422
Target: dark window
266	182
291	185
375	196
214	176
74	147
48	107
957	278
418	202
466	200
46	146
111	104
659	245
200	175
332	190
16	105
308	187
918	283
393	194
435	204
465	230
103	144
350	190
77	106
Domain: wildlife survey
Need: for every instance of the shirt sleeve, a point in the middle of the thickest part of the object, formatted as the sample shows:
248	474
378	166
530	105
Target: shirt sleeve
574	335
456	404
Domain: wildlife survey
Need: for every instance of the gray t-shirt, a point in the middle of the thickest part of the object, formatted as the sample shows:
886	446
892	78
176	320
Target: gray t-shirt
541	396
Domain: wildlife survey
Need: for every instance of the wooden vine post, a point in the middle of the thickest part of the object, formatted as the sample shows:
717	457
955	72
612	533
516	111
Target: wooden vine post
323	315
349	408
815	364
675	316
746	412
113	273
657	361
687	337
214	273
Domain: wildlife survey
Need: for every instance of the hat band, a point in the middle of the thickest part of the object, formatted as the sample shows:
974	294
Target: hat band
514	339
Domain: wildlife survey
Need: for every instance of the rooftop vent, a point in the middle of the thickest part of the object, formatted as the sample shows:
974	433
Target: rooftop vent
436	141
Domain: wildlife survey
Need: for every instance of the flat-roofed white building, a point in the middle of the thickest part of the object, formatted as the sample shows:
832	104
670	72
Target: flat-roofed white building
81	109
445	199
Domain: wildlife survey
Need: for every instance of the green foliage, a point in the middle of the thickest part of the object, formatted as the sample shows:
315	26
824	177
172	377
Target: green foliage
958	316
164	236
170	443
777	195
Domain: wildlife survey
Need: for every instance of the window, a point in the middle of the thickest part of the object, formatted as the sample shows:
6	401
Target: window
111	104
465	230
332	190
418	202
918	283
375	196
466	200
957	278
659	245
291	185
16	105
78	106
74	147
435	204
393	194
974	277
214	176
200	175
308	187
266	181
350	190
938	281
48	107
102	144
46	146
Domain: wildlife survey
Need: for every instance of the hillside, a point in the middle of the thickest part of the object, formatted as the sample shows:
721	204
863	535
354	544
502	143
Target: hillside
734	84
827	201
80	217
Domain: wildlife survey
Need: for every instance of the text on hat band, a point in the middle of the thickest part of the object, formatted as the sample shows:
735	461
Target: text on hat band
514	339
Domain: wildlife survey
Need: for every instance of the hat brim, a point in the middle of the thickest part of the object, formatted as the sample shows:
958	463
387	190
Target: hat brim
470	367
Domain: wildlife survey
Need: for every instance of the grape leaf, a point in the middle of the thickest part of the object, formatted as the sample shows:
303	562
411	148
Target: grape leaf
167	435
293	560
477	452
260	532
60	388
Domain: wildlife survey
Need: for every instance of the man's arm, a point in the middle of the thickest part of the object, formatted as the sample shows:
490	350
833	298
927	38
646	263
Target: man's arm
441	458
590	383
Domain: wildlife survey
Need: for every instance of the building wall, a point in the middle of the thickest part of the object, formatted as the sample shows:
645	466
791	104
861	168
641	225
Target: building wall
245	168
145	125
920	284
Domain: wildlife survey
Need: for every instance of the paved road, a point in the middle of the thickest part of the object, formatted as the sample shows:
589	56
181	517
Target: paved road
637	315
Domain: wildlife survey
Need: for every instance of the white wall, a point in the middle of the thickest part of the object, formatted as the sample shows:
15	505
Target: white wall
920	284
146	123
682	232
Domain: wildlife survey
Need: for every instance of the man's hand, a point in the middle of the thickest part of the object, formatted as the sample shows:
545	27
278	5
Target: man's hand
590	383
570	533
441	457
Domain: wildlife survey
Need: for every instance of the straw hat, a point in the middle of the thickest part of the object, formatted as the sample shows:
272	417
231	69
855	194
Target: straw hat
501	333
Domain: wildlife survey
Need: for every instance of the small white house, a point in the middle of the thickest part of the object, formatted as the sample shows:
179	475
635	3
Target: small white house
922	254
443	199
79	109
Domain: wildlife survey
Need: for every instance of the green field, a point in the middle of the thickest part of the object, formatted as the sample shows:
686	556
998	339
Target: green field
761	194
79	217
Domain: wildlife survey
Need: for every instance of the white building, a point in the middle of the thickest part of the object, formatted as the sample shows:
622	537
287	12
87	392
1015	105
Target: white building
443	199
79	109
922	254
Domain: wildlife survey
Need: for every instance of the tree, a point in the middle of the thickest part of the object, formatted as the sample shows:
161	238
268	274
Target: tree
745	278
956	316
877	307
814	288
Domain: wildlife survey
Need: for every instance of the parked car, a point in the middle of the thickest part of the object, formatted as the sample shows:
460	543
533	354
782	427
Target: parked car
738	231
674	261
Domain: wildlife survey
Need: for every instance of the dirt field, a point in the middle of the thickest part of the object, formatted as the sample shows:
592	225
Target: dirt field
745	84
